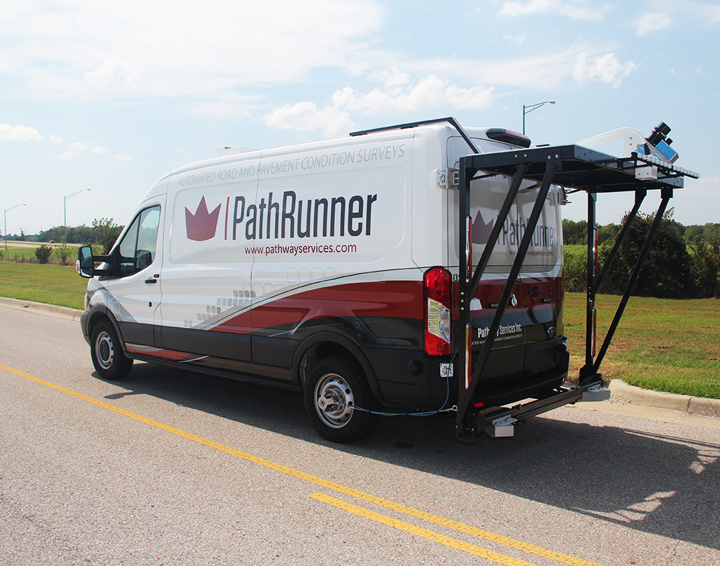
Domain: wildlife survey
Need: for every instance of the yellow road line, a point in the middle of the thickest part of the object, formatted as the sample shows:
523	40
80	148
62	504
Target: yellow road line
423	533
460	527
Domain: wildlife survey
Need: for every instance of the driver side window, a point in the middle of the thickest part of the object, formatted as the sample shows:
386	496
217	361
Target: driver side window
138	247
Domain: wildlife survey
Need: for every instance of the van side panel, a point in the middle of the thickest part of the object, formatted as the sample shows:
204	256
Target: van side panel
305	242
208	272
340	229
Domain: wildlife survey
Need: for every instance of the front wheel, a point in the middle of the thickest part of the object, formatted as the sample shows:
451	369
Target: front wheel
338	401
106	352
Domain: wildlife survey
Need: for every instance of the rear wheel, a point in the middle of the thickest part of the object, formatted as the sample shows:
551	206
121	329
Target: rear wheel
107	355
338	401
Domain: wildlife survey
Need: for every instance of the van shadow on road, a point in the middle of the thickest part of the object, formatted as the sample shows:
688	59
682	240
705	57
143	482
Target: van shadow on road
650	482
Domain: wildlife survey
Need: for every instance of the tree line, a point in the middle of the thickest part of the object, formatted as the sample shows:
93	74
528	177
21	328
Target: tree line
102	233
684	261
575	233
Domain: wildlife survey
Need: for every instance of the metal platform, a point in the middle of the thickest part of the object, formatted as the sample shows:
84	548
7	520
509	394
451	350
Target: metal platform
575	168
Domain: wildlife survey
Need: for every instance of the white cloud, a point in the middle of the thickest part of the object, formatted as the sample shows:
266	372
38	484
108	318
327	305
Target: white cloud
114	70
168	48
515	38
707	12
545	70
604	68
77	148
122	157
574	9
18	133
390	78
653	21
305	117
429	92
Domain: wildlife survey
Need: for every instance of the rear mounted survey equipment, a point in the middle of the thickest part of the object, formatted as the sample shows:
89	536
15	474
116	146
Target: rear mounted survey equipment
575	168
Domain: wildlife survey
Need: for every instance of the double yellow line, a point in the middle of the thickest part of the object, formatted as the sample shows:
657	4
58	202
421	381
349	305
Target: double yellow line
350	507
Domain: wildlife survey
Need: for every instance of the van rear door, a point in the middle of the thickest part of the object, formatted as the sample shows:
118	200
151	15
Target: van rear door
523	347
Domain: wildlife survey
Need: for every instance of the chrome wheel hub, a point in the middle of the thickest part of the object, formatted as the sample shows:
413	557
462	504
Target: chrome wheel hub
104	350
334	400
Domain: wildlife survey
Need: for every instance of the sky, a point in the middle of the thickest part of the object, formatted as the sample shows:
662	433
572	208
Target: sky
110	96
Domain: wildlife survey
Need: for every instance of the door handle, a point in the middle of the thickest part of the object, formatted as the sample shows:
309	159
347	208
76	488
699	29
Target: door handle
150	281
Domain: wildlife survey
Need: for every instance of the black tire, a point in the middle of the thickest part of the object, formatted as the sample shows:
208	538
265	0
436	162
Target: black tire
107	354
334	387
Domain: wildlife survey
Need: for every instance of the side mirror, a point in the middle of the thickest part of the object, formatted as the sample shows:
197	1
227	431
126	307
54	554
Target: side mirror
85	264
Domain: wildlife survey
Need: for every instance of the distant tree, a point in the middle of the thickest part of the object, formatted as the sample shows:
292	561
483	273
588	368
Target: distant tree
607	233
105	233
692	233
574	233
668	270
706	266
708	232
75	234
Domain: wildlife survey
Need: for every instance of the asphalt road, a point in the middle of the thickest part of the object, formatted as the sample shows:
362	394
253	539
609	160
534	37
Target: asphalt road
176	468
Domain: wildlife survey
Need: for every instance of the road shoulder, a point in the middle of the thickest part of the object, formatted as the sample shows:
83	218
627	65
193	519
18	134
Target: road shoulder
41	308
666	407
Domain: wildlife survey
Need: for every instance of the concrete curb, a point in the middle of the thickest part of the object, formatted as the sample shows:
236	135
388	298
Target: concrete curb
41	308
683	403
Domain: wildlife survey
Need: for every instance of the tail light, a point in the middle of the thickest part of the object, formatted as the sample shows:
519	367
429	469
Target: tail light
437	285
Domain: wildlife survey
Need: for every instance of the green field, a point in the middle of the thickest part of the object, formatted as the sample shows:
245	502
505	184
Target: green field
52	284
27	254
661	344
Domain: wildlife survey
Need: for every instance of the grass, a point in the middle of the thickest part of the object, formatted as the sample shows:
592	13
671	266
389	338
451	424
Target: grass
661	344
52	284
26	254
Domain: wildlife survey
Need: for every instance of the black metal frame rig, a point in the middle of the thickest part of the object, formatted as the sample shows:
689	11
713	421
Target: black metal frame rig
577	169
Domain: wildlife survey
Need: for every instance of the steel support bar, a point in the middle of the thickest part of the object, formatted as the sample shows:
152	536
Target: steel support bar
467	432
588	372
590	304
468	288
534	408
593	283
466	414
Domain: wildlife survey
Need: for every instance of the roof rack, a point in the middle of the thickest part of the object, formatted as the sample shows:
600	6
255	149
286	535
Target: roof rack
409	125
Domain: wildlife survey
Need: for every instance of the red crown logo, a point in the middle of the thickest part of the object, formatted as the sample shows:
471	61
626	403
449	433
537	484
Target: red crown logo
481	231
201	226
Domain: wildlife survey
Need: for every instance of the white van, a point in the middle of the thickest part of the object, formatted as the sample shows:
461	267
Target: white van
332	268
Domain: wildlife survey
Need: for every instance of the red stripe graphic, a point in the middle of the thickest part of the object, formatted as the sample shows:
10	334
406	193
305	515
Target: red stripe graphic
392	299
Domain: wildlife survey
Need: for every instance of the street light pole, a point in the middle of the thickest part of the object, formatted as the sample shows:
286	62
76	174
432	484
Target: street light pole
5	222
530	107
65	199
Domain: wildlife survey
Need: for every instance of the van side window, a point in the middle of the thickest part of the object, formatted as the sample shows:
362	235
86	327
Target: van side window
137	249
